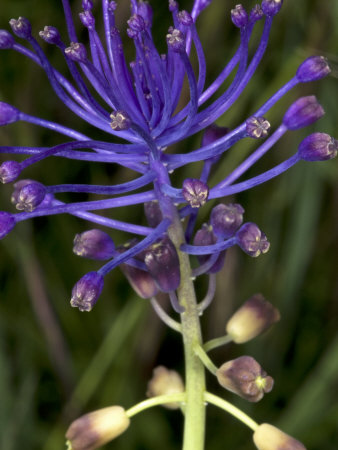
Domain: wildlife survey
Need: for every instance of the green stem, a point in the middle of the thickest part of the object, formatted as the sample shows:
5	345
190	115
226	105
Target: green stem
218	342
231	409
205	359
194	423
155	401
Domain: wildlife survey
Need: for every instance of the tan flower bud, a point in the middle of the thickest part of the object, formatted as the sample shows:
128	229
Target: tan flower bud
244	376
164	382
95	429
254	317
268	437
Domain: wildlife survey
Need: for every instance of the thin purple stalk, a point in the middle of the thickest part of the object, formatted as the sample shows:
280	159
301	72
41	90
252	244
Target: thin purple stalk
208	249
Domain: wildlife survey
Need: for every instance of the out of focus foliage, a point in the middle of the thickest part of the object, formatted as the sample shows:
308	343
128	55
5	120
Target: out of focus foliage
56	363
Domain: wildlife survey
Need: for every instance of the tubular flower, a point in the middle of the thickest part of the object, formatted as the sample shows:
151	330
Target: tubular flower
137	103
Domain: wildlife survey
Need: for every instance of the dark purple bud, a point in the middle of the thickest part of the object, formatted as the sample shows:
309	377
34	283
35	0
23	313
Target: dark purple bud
195	192
8	114
153	213
137	23
145	11
239	16
140	280
51	35
28	195
21	27
268	437
256	13
252	240
305	111
94	244
87	19
119	120
87	5
257	127
313	68
185	18
254	317
318	147
244	376
9	171
176	40
271	7
76	52
163	264
226	219
205	236
173	6
86	291
6	40
7	223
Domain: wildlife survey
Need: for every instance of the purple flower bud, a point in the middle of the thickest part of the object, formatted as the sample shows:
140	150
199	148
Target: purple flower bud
254	317
141	281
244	376
313	68
7	223
9	171
176	40
163	264
145	11
137	23
303	112
252	240
87	5
153	213
94	244
165	382
226	219
173	6
185	18
87	19
239	16
256	13
268	437
28	195
86	291
318	147
205	236
51	35
195	192
271	7
6	40
119	120
8	114
112	5
257	127
21	27
76	52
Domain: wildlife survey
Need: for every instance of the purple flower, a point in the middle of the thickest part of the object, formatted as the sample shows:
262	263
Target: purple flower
136	102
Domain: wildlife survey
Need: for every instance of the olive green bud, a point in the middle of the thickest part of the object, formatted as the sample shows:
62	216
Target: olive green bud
254	317
95	429
165	382
244	376
268	437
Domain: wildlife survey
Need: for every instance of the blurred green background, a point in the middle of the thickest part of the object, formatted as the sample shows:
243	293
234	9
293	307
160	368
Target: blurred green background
57	363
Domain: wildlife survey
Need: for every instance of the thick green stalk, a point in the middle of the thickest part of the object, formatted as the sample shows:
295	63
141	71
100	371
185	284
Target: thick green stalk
194	425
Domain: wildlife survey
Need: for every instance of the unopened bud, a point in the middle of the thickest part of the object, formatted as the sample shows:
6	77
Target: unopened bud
28	195
226	219
9	171
254	317
271	7
86	291
185	18
244	376
87	19
318	147
252	240
256	13
76	52
206	236
136	23
257	127
51	35
8	114
268	437
165	382
6	40
119	120
94	244
239	16
21	27
176	40
195	192
303	112
97	428
313	68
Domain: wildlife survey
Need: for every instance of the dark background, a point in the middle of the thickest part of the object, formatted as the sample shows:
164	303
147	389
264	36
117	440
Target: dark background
57	363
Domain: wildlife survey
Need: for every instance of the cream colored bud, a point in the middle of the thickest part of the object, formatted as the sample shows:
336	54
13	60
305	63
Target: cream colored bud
268	437
254	317
165	382
95	429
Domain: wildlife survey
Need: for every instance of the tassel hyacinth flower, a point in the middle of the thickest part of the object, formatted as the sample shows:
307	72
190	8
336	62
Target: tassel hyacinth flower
136	105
